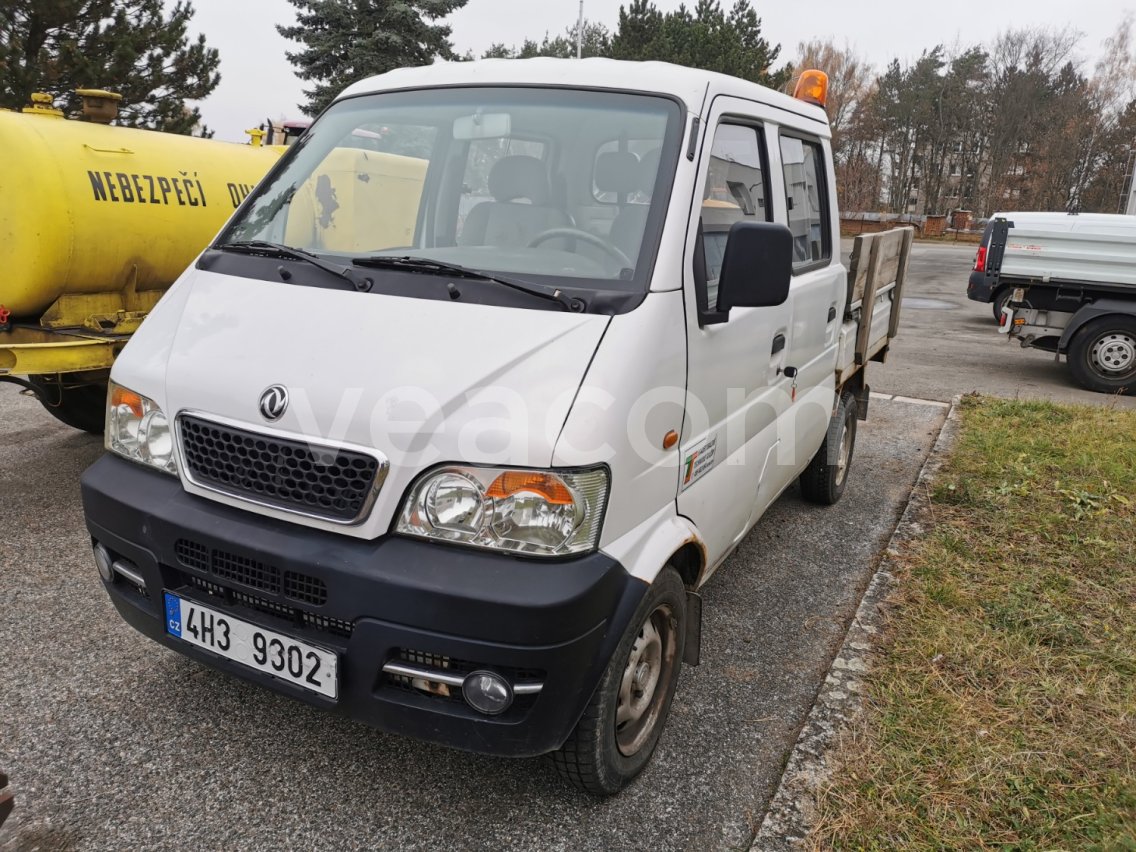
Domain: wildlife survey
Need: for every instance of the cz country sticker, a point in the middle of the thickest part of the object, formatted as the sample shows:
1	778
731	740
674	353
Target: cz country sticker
698	462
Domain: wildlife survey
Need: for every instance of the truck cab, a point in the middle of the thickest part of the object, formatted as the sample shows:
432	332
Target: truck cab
481	384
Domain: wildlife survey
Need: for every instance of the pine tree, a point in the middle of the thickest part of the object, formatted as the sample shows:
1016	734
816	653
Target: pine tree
347	40
132	47
706	37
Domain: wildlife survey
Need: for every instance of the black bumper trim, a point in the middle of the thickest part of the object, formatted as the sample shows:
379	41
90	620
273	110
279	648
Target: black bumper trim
564	618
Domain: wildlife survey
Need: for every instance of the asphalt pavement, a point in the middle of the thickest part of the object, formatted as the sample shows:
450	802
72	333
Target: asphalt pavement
113	742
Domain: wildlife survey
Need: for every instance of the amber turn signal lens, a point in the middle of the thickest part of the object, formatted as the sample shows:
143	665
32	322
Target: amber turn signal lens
670	439
548	486
812	87
129	398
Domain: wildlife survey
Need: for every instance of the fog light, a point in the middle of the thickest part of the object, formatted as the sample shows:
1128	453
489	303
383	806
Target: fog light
103	562
487	692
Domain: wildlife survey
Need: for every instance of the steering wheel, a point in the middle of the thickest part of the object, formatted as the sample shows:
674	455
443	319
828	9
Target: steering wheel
584	236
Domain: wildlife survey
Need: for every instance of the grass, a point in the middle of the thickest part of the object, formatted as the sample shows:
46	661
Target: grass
1001	710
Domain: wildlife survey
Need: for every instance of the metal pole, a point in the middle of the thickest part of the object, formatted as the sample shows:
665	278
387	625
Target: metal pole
1131	211
580	33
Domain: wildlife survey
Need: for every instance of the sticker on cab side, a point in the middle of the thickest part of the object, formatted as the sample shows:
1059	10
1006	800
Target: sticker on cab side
697	462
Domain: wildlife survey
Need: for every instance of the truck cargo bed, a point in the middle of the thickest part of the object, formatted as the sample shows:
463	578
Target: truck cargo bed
877	272
1056	247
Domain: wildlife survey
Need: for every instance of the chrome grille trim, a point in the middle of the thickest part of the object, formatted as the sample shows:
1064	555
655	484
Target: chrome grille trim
400	669
382	469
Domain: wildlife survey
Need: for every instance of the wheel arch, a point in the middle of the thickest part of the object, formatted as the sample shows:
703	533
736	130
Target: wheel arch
1094	310
664	539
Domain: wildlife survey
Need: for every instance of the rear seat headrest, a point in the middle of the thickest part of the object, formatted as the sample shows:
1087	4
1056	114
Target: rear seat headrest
617	171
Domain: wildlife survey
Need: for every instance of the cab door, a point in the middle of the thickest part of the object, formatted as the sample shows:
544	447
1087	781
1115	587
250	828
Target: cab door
736	387
818	289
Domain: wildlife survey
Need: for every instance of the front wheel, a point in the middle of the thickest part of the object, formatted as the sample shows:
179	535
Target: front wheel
617	734
824	479
1102	356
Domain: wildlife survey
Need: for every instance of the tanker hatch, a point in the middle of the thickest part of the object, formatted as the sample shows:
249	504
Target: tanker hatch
99	105
42	104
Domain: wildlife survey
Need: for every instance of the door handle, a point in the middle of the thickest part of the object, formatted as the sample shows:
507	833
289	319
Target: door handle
778	344
832	313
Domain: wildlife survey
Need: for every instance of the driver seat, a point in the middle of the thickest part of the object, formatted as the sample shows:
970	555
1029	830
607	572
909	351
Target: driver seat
507	221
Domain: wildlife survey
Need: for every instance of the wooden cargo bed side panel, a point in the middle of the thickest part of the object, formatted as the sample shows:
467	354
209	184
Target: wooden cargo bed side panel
878	262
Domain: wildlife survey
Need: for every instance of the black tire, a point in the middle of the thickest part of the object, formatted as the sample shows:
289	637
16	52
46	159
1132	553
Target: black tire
1102	355
824	479
602	756
80	406
999	301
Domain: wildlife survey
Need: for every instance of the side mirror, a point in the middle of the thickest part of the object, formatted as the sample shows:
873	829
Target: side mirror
757	267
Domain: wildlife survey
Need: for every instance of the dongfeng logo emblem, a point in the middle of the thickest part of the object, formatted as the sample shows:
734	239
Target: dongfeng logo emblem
274	402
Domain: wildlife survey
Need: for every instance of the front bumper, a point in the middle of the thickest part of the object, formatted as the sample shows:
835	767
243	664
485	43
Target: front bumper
372	602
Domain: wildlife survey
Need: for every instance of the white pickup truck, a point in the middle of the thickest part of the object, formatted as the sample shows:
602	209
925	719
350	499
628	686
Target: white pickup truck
1065	284
448	426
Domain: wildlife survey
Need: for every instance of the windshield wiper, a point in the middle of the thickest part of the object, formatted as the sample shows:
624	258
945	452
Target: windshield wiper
428	266
264	247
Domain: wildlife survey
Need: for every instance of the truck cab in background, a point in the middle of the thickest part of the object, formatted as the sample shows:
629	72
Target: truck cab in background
493	371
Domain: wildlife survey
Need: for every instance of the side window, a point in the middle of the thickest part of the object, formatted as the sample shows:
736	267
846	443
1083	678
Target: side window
483	155
807	201
735	190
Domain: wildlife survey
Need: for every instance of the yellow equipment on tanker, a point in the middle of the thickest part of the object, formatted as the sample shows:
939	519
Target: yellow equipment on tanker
95	223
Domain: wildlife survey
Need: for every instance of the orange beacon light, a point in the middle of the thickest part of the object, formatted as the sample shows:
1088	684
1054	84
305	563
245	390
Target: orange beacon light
812	88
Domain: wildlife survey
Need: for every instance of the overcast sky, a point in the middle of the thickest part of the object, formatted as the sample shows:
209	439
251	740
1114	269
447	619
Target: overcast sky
257	80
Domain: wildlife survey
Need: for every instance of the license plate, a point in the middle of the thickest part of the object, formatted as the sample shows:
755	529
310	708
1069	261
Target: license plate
264	650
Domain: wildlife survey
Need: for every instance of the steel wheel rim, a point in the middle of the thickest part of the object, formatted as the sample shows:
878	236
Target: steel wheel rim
1114	353
844	454
643	686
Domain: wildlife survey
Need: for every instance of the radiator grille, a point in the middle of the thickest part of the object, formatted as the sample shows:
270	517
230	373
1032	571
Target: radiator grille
251	572
336	626
332	483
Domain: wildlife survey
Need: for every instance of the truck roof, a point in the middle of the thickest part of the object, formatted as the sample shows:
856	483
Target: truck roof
689	85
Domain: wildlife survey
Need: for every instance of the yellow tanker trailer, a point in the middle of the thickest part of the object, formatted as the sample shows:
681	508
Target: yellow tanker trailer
96	222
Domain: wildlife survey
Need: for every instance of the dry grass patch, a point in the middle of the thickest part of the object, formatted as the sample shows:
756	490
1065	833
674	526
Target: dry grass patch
1001	712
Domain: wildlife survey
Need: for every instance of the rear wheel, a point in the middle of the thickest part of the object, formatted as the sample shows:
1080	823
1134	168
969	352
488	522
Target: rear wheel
80	406
824	479
1102	356
617	734
1000	300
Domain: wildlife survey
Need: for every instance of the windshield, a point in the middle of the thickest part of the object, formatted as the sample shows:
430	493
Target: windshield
553	184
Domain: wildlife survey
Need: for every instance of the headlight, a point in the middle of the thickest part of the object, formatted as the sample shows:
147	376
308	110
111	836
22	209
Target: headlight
543	513
138	430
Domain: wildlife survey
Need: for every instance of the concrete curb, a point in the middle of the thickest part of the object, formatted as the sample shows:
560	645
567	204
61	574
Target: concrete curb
791	814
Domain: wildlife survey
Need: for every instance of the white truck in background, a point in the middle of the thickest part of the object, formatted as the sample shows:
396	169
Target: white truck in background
1066	284
458	468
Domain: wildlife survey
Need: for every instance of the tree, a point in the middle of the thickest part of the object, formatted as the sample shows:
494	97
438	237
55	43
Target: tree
346	40
707	38
127	46
596	42
849	81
